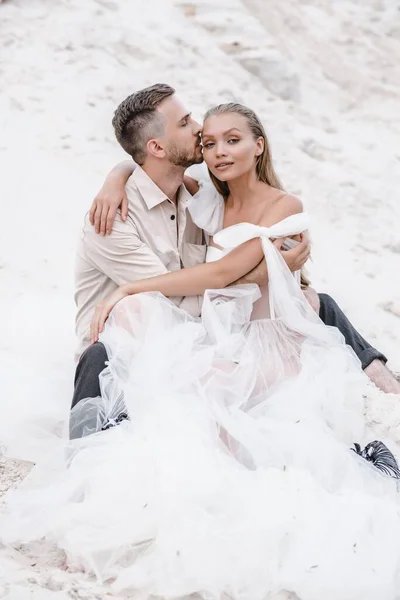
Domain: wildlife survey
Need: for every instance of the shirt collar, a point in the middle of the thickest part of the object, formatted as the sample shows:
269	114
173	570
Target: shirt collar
151	193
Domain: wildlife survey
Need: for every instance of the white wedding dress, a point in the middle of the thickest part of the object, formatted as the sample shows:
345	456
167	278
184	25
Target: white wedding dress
234	476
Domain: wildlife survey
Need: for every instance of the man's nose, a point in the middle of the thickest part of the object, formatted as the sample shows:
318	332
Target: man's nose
197	128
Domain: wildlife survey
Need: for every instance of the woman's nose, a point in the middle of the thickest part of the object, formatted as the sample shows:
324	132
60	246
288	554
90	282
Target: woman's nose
220	150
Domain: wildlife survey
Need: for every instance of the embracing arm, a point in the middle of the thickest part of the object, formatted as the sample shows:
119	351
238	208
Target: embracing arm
295	260
111	197
192	281
258	275
195	280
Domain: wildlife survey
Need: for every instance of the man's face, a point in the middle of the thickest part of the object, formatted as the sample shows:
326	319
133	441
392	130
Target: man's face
182	142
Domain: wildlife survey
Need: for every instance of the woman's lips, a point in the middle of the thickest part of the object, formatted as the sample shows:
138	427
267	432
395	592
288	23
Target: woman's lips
223	166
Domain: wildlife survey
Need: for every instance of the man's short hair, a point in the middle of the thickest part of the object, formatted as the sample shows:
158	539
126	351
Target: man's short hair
136	120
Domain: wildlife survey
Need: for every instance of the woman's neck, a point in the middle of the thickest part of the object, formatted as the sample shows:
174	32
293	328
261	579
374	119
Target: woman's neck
244	190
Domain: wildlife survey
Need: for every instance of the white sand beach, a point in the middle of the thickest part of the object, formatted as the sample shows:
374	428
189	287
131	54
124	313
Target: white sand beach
325	78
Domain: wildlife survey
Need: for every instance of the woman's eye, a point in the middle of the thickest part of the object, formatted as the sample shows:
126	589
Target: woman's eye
208	145
233	141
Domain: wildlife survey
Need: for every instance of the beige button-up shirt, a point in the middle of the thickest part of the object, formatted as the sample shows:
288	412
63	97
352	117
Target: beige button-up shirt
158	236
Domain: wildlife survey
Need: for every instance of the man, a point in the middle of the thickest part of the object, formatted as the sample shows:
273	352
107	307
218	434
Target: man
156	234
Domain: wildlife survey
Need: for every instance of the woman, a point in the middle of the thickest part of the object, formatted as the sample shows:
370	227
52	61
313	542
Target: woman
234	475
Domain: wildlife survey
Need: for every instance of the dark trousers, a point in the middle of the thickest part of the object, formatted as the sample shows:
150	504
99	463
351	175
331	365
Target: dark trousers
331	314
93	360
90	365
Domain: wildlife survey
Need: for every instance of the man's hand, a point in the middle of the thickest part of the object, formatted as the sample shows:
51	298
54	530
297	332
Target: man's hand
102	311
106	203
298	256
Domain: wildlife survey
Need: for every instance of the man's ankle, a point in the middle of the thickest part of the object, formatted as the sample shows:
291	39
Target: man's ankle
384	379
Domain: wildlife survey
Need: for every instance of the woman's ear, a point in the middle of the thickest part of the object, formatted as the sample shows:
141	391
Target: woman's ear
259	146
154	149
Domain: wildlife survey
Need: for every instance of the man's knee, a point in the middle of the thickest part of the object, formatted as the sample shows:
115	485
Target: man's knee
326	301
95	354
330	312
92	360
90	365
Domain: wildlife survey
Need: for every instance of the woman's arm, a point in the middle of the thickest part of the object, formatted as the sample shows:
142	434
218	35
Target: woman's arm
111	197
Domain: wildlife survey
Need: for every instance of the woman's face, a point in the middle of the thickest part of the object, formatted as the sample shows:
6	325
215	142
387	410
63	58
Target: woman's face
229	147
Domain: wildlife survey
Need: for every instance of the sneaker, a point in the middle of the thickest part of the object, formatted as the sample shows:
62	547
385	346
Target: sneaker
380	456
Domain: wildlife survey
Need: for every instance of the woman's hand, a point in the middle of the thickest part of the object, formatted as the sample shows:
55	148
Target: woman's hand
111	197
296	257
106	203
103	309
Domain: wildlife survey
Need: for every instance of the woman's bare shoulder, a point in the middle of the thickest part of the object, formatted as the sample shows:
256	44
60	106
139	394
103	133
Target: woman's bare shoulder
284	206
290	204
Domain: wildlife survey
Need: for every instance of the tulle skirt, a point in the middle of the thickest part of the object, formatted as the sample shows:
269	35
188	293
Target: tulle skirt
233	474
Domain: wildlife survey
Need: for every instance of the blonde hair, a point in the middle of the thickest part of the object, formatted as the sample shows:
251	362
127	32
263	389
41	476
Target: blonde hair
264	166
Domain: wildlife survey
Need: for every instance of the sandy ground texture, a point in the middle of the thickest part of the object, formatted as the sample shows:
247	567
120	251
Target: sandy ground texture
325	78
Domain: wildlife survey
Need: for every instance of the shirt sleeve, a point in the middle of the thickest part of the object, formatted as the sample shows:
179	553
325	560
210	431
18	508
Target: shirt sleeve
122	255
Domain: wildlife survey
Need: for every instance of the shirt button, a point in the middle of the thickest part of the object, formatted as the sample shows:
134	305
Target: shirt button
172	217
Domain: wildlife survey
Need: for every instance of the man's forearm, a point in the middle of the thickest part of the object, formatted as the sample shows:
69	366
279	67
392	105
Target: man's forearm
258	275
193	281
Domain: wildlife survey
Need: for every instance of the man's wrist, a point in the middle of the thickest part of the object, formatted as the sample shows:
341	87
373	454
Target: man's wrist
127	288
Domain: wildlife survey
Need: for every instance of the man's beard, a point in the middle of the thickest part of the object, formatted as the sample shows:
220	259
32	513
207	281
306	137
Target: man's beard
184	158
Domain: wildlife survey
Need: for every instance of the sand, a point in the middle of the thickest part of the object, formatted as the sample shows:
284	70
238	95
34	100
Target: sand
324	77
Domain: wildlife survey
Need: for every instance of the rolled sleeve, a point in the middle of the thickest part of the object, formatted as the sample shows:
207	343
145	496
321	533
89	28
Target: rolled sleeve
122	255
